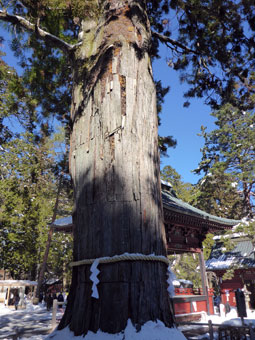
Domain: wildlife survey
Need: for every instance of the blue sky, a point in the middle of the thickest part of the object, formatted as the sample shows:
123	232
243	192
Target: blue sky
181	123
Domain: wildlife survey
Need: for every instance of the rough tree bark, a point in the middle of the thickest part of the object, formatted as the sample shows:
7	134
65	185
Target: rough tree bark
114	164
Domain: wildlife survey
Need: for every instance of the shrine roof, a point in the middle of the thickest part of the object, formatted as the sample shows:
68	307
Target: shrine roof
171	202
17	283
64	224
241	256
63	221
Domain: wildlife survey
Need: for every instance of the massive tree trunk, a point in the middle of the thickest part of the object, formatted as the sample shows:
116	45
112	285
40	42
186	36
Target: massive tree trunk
114	164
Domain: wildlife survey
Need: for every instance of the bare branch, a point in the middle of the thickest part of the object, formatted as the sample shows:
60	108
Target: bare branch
164	39
42	34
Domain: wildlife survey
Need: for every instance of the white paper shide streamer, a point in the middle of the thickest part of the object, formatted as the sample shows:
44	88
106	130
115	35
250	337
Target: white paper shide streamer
93	277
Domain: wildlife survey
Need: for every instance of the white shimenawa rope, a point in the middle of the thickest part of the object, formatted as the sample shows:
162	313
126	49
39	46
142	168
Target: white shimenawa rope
123	257
117	258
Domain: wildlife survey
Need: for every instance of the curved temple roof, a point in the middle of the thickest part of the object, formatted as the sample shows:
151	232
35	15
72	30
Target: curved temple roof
173	203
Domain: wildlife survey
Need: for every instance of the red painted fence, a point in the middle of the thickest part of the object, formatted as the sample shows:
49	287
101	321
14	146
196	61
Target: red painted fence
189	300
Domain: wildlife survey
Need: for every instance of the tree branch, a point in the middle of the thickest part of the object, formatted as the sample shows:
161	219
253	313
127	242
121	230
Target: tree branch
164	39
42	34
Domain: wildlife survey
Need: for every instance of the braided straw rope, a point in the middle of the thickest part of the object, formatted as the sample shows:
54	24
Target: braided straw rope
123	257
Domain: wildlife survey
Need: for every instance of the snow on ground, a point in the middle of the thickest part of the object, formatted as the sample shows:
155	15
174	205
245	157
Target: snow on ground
149	331
35	319
230	318
39	317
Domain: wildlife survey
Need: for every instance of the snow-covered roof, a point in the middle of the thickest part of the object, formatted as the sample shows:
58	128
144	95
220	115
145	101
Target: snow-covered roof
168	184
64	224
52	281
182	282
17	283
63	221
242	256
234	235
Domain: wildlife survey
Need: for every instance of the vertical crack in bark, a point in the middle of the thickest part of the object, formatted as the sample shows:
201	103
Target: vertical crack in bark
122	80
112	147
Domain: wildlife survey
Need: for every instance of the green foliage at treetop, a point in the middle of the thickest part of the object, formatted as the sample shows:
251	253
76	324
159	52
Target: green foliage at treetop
229	159
16	103
210	43
217	194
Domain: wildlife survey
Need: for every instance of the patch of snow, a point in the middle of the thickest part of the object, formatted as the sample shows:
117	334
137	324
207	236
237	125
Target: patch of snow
203	181
171	279
149	331
234	235
168	184
18	282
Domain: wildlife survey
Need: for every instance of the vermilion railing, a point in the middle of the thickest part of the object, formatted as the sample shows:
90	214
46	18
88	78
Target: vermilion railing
187	301
191	291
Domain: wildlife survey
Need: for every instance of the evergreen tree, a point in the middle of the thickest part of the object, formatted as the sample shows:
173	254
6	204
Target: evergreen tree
217	194
166	141
17	107
186	267
25	203
183	190
27	198
207	245
229	162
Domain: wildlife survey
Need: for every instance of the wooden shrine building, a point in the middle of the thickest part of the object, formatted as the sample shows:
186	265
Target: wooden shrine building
241	259
186	228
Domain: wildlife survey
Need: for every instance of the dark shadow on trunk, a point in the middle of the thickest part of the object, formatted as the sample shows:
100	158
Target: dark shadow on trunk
108	223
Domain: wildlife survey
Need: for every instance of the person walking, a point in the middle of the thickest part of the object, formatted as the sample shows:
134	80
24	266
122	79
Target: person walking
16	301
49	301
60	299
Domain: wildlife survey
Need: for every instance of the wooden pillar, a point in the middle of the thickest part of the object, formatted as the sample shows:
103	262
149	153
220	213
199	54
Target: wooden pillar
8	295
54	313
22	294
35	300
204	279
64	278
